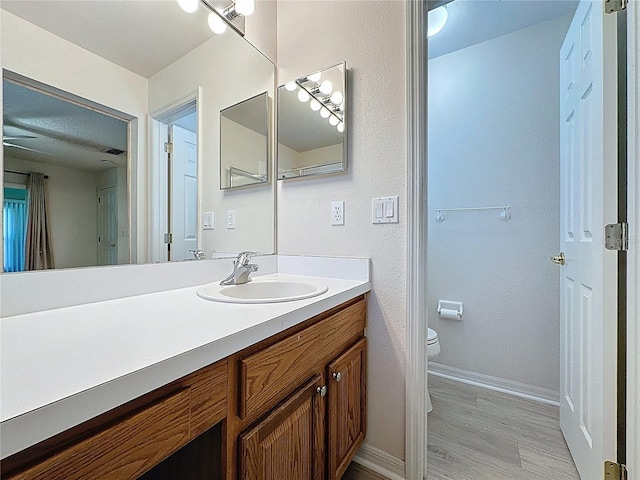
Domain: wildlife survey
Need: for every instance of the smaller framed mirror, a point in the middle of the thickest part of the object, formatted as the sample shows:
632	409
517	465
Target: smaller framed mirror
244	143
312	118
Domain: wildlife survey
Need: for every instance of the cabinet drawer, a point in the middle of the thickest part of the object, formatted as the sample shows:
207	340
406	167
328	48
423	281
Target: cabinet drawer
208	397
274	372
124	450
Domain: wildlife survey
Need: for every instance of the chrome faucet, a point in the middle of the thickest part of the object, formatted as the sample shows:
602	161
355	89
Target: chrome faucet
199	254
241	270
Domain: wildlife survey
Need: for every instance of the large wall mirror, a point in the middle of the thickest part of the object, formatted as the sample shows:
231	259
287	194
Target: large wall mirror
312	119
117	105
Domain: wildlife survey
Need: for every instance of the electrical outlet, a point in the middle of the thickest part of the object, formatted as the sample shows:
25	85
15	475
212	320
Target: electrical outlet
231	219
337	213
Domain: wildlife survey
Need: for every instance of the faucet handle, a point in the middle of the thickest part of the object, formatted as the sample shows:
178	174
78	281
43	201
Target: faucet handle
244	258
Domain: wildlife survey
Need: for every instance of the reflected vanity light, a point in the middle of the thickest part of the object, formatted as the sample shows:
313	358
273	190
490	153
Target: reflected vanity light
437	20
189	6
218	19
330	105
216	24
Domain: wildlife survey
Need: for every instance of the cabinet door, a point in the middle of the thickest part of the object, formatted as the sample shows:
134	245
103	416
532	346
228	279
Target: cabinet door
347	404
289	443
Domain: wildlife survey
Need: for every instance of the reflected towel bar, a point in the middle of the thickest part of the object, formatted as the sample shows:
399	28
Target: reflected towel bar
504	215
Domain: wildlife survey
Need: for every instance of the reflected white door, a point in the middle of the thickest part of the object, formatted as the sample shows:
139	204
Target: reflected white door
107	226
184	193
588	201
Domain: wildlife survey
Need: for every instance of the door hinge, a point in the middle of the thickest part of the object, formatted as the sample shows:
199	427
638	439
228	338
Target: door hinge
614	471
168	147
613	6
168	238
616	236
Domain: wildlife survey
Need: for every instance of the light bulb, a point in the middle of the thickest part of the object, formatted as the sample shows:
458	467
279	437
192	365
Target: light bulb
315	105
334	120
189	6
324	113
315	77
245	7
337	97
303	95
216	24
291	86
326	87
437	20
340	127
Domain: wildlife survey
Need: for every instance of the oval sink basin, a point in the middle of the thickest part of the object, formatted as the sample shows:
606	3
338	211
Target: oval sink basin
262	291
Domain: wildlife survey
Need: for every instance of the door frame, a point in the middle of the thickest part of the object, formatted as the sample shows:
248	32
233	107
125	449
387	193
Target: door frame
633	254
417	254
159	217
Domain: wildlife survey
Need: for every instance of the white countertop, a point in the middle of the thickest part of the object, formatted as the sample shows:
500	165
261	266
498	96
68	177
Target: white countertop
64	366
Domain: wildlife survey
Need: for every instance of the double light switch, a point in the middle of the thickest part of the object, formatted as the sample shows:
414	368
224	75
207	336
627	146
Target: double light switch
384	210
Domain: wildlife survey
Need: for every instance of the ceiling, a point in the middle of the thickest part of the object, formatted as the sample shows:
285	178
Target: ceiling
475	21
143	36
43	128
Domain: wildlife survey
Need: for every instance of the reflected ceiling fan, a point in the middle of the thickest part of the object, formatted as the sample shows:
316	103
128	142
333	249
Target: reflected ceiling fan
8	141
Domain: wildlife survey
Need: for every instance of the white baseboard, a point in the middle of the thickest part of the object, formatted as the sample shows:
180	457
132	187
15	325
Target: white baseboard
380	462
503	385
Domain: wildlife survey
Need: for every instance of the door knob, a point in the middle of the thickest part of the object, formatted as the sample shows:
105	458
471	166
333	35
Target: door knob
559	259
322	390
337	376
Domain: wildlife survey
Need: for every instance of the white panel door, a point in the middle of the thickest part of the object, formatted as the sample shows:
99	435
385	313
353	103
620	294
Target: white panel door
184	193
107	226
588	202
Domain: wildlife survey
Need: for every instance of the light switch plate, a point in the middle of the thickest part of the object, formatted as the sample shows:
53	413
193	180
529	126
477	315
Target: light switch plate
384	210
208	221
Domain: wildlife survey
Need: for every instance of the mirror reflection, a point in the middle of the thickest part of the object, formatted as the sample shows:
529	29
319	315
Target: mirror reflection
312	124
129	62
76	214
244	145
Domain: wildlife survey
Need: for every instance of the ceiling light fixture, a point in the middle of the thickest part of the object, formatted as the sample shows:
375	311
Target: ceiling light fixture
437	20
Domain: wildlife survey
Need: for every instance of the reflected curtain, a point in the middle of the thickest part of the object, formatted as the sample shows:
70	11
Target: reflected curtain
39	252
14	228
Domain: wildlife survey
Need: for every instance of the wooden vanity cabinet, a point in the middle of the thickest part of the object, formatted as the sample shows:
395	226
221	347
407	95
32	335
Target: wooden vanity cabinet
291	407
131	439
300	411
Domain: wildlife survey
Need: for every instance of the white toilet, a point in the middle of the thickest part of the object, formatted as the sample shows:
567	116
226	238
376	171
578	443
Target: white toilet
433	349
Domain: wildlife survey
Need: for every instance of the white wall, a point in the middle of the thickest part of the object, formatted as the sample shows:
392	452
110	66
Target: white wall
72	205
494	140
42	56
370	36
229	70
244	149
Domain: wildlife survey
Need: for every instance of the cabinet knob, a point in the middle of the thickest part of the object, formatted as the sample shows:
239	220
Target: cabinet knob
337	376
322	390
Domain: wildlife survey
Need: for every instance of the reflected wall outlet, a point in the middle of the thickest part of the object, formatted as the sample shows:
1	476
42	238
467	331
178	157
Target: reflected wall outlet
231	219
337	213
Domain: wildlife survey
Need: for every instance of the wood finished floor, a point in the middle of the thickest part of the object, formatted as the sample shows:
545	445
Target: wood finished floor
478	434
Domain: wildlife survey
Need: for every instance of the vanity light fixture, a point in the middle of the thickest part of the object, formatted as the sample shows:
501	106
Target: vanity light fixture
216	24
437	20
189	6
220	17
330	104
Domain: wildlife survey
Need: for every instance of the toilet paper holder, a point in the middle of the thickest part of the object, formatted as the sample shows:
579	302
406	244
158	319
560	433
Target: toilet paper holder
450	310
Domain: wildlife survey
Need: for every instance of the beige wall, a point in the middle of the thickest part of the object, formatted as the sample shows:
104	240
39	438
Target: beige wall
370	36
